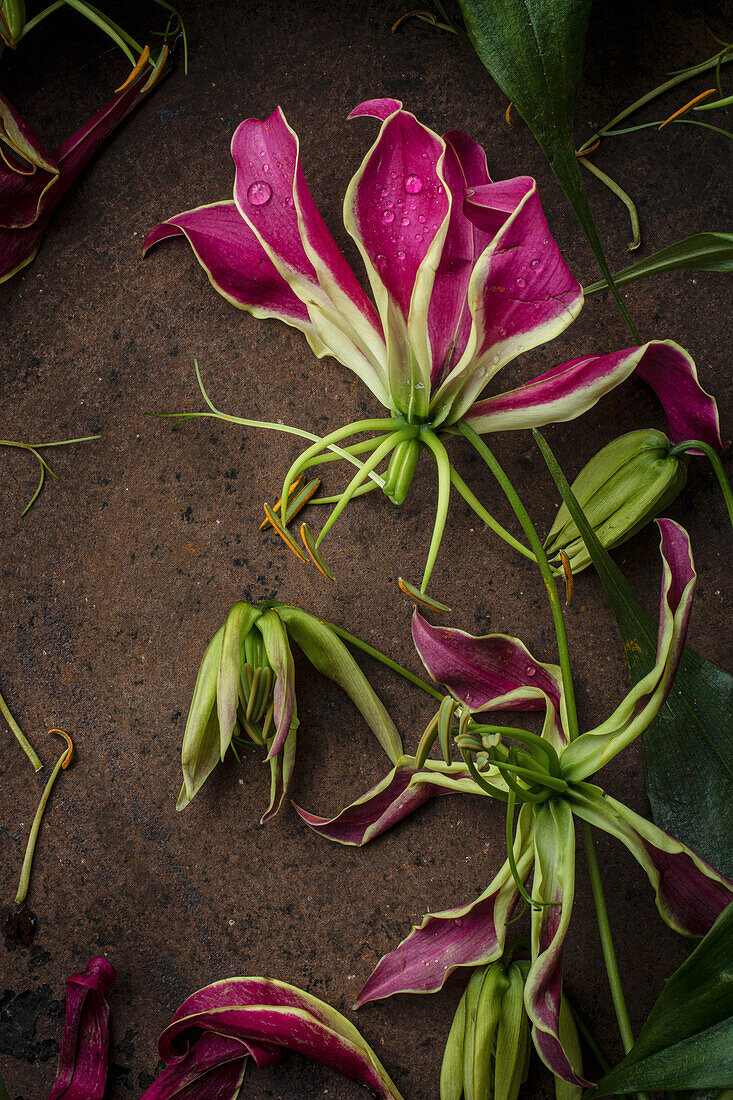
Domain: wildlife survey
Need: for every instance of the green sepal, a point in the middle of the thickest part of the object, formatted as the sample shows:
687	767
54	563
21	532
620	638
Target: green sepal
494	984
328	654
451	1070
512	1037
401	469
570	1042
200	750
239	623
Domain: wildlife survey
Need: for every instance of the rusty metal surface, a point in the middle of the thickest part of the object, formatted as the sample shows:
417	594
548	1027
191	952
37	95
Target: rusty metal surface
118	577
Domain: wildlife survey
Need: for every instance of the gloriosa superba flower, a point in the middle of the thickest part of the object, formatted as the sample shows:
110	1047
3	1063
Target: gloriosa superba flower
549	776
465	276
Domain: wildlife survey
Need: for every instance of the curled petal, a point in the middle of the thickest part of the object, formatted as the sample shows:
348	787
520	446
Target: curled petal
569	390
691	412
471	935
212	1069
521	293
690	894
273	198
396	796
28	172
235	262
265	1011
83	1059
396	209
592	750
553	884
281	772
490	673
281	661
376	108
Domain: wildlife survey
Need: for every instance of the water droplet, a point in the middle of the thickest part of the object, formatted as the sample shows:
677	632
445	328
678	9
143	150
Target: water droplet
259	192
418	237
381	260
400	255
530	670
502	331
390	203
413	185
388	216
413	206
393	175
459	921
534	263
545	240
440	188
265	167
421	217
405	221
521	283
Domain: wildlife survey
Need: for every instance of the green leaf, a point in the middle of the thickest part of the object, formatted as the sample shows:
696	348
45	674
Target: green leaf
534	51
688	748
702	252
687	1040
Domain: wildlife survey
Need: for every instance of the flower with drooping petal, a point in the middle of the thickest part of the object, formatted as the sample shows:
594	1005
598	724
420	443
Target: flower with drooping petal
465	276
213	1034
83	1059
245	694
549	775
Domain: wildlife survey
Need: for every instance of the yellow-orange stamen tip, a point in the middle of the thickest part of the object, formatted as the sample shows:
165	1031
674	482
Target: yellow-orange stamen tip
136	71
70	750
703	95
508	114
587	152
419	597
277	507
426	15
568	577
314	553
158	70
284	535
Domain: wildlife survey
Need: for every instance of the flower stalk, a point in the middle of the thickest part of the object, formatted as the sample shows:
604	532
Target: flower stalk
61	764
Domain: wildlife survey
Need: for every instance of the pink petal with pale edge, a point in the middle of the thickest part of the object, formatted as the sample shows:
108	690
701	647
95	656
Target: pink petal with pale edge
83	1058
376	108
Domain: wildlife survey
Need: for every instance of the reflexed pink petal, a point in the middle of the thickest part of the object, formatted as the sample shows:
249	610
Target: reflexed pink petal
396	796
690	894
82	1067
490	673
27	170
275	1014
691	412
18	247
564	392
471	935
396	209
273	198
235	262
377	108
593	749
553	882
521	294
212	1069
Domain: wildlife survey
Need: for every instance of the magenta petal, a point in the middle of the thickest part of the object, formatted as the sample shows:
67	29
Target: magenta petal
493	672
28	172
560	394
690	894
264	1011
553	882
396	796
522	292
235	261
82	1066
212	1069
376	108
471	935
691	412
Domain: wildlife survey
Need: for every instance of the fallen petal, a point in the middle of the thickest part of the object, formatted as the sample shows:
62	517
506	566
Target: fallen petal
83	1059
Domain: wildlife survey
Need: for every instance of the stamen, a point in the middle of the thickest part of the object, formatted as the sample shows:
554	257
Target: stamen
418	13
249	714
420	597
703	95
158	70
591	149
284	535
277	506
135	72
426	742
568	577
70	750
507	116
315	554
445	722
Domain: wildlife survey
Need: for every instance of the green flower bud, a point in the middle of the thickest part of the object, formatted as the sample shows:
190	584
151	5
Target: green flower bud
401	469
628	483
487	1051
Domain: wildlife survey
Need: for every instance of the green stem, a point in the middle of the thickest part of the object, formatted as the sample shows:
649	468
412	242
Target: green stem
510	856
609	954
25	873
360	492
536	545
387	444
387	661
442	461
714	460
22	739
539	778
620	194
458	482
322	444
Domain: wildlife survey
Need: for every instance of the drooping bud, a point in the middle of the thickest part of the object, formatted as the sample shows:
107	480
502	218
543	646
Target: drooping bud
401	469
627	484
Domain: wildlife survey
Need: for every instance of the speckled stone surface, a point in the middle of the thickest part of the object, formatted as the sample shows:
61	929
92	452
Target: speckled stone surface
125	567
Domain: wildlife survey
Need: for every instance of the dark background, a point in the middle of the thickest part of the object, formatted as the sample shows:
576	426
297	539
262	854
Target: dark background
125	567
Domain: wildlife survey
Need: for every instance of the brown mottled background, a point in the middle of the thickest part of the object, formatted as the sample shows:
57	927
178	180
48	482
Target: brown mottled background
116	580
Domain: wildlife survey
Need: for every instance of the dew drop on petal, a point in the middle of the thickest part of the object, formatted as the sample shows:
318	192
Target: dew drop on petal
545	240
421	217
259	192
405	221
265	167
413	185
388	216
521	283
418	237
400	255
458	921
530	670
534	263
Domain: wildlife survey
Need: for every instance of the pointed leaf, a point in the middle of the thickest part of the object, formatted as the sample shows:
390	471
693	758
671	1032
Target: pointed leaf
701	252
687	1040
689	745
236	628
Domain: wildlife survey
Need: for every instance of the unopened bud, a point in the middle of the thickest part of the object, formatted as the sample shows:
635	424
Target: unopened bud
628	483
570	1042
401	469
